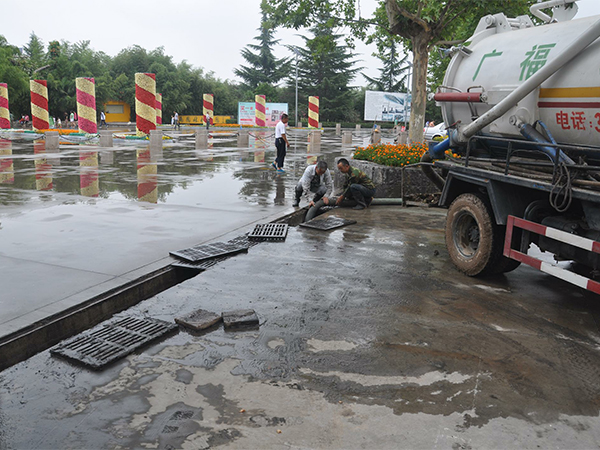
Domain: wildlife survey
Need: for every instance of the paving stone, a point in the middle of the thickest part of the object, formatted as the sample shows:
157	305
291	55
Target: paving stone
199	320
240	318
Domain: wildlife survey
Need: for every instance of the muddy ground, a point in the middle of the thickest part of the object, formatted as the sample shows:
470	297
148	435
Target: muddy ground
368	338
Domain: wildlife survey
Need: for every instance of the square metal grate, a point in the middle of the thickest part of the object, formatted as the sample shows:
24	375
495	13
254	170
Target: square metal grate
209	251
113	341
328	223
269	232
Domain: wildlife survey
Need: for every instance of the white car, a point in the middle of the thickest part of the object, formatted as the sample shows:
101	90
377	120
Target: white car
439	130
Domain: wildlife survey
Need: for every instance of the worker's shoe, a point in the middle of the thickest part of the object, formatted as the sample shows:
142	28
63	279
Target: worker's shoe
274	166
368	201
360	206
296	203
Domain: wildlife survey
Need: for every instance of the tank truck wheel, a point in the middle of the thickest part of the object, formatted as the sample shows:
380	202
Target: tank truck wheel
500	263
470	234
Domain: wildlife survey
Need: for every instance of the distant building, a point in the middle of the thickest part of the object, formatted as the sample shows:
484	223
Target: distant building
117	111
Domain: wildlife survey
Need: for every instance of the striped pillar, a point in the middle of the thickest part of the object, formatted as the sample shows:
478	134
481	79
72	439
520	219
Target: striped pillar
7	170
260	111
313	112
208	105
158	109
147	177
145	103
88	174
86	105
39	104
43	169
4	114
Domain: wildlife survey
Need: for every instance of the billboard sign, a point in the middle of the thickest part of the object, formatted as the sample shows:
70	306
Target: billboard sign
387	106
273	113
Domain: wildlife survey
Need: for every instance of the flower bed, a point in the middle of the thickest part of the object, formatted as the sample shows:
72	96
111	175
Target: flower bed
394	155
391	154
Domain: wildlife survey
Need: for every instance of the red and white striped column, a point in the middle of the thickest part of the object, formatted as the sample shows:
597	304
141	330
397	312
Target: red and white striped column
145	103
260	111
88	174
208	105
7	170
313	112
4	113
86	105
158	107
39	104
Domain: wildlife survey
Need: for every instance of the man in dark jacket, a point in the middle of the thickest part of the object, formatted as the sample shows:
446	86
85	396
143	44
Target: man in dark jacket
357	186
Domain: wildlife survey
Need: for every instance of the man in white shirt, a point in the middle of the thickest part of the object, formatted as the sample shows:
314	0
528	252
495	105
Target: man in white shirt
316	183
281	142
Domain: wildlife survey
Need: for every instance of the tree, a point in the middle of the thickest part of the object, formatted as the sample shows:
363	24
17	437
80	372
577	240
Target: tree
394	73
325	70
35	55
12	73
422	24
262	66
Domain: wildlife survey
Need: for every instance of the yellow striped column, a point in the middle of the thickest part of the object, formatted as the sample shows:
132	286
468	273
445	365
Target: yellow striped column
313	112
4	113
158	109
145	103
39	104
86	105
208	105
260	111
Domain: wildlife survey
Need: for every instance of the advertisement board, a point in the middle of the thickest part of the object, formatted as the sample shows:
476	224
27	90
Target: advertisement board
387	106
273	113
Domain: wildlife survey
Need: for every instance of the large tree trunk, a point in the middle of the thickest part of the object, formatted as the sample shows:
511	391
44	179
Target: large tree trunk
419	86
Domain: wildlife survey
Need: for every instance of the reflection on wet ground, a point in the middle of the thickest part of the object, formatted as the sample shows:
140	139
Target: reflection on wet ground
177	174
83	217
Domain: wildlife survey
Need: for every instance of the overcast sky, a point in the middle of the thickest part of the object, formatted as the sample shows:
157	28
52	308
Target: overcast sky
208	34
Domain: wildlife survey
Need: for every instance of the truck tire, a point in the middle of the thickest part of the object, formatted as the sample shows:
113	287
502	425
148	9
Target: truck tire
473	239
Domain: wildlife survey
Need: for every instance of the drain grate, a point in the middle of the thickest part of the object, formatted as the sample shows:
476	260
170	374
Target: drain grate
113	341
328	223
269	232
209	251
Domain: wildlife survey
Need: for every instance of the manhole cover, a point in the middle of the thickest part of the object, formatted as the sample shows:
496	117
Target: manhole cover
192	266
209	251
269	232
113	341
328	223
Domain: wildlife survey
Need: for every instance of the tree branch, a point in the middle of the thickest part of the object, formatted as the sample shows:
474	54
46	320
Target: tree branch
393	10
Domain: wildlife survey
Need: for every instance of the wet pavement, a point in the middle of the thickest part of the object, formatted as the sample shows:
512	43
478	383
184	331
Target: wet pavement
368	338
80	221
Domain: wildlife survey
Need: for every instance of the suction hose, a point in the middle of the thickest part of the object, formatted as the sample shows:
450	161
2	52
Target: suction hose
436	152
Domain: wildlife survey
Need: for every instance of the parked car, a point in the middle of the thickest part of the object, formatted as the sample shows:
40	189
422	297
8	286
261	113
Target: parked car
439	130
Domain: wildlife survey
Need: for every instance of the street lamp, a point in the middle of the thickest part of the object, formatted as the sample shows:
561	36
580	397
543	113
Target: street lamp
295	50
408	93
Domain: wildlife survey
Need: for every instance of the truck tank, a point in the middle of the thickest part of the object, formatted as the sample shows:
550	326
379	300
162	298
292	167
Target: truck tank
502	55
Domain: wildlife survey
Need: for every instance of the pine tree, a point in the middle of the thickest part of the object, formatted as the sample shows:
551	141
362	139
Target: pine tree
262	66
325	70
35	55
394	73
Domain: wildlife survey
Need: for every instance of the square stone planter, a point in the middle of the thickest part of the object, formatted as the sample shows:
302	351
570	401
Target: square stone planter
388	180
